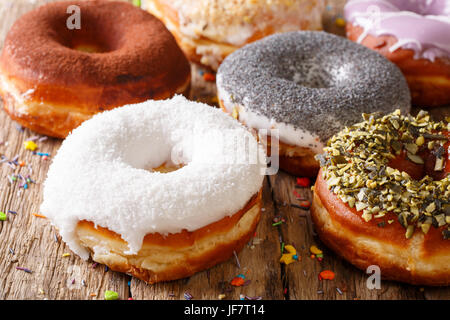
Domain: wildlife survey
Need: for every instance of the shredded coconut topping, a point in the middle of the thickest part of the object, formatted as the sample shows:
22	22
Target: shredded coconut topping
102	172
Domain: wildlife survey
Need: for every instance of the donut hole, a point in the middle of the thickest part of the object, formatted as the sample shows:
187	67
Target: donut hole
418	171
308	74
97	34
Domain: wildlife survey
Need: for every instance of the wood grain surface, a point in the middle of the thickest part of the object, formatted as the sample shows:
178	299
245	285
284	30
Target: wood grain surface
36	264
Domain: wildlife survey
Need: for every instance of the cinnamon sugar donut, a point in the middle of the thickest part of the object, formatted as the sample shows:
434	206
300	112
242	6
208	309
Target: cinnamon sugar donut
109	197
382	197
209	30
50	83
412	34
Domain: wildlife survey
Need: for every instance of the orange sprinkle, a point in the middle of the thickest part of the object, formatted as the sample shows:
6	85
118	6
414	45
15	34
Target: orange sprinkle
238	281
39	215
209	76
22	163
327	275
93	294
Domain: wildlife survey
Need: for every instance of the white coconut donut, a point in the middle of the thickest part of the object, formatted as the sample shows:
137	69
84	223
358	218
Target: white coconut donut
104	197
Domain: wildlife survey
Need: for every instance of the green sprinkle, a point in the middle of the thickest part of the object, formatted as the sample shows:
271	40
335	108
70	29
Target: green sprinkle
137	3
277	223
2	216
111	295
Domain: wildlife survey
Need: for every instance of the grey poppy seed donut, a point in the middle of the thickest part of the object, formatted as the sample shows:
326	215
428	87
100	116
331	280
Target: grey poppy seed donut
309	85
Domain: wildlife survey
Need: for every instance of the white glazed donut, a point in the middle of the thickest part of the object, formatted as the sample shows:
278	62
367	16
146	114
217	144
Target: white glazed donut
104	197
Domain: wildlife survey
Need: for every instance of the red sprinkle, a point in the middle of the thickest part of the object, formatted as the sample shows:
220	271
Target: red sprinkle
238	281
305	204
303	182
209	76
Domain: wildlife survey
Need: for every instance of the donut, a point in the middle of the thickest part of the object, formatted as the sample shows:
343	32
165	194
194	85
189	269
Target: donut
53	78
414	36
307	85
209	30
159	190
382	197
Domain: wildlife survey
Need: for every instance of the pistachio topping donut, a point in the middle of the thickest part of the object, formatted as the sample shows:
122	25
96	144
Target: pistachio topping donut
52	78
159	190
308	85
382	197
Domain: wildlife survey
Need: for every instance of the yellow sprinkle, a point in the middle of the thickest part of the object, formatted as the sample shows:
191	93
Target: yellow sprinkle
287	258
340	22
235	113
221	296
315	250
290	249
41	291
66	255
30	145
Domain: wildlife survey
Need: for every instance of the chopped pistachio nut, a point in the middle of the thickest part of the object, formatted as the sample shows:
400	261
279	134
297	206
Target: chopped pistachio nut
356	167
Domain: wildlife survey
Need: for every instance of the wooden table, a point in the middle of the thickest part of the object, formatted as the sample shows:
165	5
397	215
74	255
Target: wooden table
27	241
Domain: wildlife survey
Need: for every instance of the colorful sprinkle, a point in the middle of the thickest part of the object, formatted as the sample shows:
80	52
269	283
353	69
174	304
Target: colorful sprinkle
30	145
340	22
24	269
187	296
209	77
111	295
315	250
303	182
291	256
326	275
305	204
237	259
39	215
238	281
66	255
2	216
